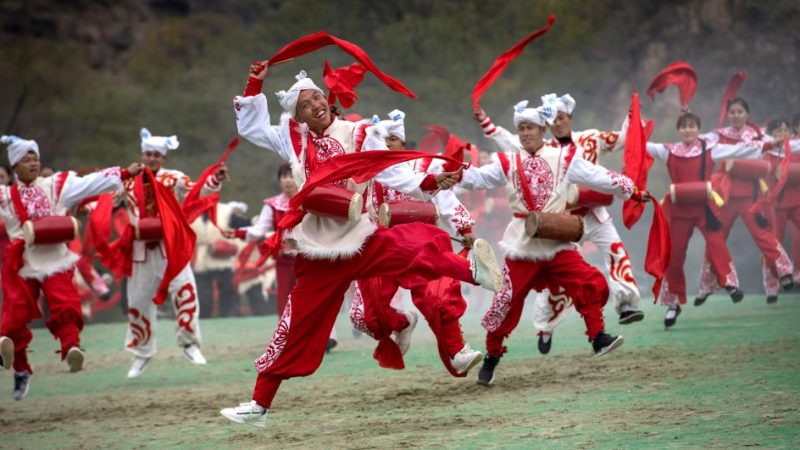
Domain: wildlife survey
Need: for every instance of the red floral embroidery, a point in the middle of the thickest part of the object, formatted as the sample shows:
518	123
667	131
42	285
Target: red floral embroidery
541	180
558	304
139	327
275	347
501	304
462	219
620	270
624	183
357	313
328	147
186	305
685	151
35	200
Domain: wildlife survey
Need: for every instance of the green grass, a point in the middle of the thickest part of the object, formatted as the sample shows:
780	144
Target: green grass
726	376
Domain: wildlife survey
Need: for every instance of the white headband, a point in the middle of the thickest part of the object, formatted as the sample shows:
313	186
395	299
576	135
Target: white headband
396	125
538	116
288	99
158	144
18	148
564	104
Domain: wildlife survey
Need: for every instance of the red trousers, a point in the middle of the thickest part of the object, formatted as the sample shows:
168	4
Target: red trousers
765	240
719	258
285	279
298	344
566	273
65	322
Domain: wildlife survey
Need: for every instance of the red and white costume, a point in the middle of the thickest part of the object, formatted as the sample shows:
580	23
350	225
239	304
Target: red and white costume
688	163
45	269
149	261
550	309
741	197
539	264
453	218
332	253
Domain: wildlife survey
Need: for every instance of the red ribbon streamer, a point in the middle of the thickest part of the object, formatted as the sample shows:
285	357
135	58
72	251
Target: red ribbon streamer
342	82
313	42
504	60
730	92
637	161
680	74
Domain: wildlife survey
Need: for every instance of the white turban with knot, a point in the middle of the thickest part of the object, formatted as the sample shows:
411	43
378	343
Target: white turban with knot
288	99
539	116
395	125
158	144
18	148
564	104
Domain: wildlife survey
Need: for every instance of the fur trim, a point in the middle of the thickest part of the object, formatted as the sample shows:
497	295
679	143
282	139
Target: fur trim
548	254
331	241
50	268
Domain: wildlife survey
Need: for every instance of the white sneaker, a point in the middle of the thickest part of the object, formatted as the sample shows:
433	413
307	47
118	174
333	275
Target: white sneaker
139	363
6	352
466	359
484	266
403	338
194	355
249	413
75	359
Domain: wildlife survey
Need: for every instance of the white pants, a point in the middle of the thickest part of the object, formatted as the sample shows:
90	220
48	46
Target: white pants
140	339
550	309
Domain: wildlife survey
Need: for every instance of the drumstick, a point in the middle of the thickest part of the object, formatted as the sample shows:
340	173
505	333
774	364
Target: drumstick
281	62
460	241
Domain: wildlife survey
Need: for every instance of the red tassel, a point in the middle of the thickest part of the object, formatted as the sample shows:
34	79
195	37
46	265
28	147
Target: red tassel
193	205
316	41
680	74
504	60
730	92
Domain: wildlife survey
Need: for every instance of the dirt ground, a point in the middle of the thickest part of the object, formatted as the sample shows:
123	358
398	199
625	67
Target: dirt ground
725	376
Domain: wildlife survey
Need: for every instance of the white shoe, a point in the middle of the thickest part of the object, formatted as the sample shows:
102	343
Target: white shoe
75	359
194	355
249	413
403	338
466	359
6	352
139	363
484	266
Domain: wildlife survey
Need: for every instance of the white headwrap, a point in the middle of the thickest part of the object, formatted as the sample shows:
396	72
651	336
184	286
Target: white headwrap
395	125
158	144
538	116
564	104
18	148
288	99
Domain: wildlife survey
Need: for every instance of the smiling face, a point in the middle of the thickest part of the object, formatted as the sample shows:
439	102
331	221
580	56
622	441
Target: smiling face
27	169
781	132
737	115
313	110
531	136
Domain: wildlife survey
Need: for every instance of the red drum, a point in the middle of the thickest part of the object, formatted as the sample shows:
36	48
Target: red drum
589	199
407	211
50	230
748	169
794	173
223	249
149	229
554	226
334	203
691	193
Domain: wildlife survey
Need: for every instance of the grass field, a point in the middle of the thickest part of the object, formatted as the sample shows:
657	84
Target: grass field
726	376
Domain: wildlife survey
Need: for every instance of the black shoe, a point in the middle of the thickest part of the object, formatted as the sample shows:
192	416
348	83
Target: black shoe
772	299
332	343
736	294
670	321
544	346
486	374
787	282
22	384
630	317
604	343
700	299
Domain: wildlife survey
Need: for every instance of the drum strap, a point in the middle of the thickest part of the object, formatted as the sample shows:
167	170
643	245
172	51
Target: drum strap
524	182
19	208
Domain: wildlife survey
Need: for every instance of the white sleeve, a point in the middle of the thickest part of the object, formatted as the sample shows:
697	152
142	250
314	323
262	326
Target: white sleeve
659	151
488	176
794	145
78	188
399	177
740	150
253	124
453	214
262	226
599	178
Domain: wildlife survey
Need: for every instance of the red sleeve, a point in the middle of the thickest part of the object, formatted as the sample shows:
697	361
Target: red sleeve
125	174
465	231
254	86
241	233
429	183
